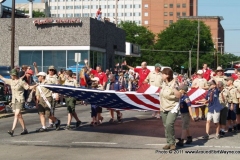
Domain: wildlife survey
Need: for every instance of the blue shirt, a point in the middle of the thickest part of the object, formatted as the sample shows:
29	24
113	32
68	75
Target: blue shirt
213	104
184	104
115	86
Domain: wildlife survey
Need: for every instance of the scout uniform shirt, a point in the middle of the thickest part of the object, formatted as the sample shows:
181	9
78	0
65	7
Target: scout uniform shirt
17	86
45	91
71	82
224	96
236	83
167	98
233	95
155	79
220	78
52	79
200	82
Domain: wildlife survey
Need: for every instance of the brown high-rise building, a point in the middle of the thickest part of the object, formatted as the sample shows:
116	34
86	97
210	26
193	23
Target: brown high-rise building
159	14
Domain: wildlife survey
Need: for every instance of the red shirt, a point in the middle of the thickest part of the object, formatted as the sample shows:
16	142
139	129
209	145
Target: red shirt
143	73
102	76
207	74
234	76
83	82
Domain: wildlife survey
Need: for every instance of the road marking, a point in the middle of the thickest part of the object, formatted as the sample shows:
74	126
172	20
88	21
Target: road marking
95	143
30	141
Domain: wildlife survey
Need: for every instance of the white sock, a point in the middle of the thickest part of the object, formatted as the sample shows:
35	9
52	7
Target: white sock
44	127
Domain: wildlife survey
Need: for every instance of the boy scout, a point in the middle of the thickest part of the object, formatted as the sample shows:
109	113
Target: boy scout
70	101
237	85
219	75
18	86
200	82
154	78
233	104
44	105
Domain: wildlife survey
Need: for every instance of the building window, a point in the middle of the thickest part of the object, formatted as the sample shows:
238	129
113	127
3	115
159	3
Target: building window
184	5
170	5
170	21
165	5
183	13
178	14
165	21
77	7
145	5
145	22
178	5
146	14
69	7
69	15
170	13
85	14
77	15
165	13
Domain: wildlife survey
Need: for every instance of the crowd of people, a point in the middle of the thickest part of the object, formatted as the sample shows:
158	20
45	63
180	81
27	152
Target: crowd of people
221	101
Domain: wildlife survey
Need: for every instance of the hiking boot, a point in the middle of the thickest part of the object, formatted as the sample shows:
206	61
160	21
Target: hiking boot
24	132
78	124
229	129
11	133
50	126
180	142
217	136
166	147
206	136
189	140
172	147
41	130
68	128
58	125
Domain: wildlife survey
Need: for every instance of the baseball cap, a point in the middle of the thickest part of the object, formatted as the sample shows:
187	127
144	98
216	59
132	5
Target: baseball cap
157	65
41	74
13	72
183	87
199	72
29	72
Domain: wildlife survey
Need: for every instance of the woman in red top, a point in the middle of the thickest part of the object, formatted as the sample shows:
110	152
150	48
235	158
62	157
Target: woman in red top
83	82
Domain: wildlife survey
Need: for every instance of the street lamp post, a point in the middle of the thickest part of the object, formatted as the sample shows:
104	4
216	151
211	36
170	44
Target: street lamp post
13	34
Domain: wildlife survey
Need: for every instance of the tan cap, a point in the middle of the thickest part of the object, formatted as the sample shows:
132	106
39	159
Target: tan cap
219	68
51	67
199	72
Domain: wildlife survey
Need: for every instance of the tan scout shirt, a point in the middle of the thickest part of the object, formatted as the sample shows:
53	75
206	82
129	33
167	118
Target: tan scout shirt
199	82
167	98
224	96
71	82
233	95
154	79
220	78
45	91
236	83
52	79
17	86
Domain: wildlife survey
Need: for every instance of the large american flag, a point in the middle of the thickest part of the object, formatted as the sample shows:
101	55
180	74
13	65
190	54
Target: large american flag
148	99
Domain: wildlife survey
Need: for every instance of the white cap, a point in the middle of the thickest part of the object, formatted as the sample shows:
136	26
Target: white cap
95	79
41	74
199	72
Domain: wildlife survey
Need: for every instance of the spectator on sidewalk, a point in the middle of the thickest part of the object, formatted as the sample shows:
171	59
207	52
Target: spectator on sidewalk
99	14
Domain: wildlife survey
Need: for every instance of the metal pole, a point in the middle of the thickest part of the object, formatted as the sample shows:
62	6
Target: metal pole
13	34
190	63
198	44
116	7
217	60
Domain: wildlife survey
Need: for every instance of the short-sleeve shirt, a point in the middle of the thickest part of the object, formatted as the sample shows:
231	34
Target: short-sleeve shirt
155	79
143	73
224	96
17	86
71	82
206	74
167	98
236	83
184	104
52	79
233	95
214	104
200	82
220	78
45	91
102	76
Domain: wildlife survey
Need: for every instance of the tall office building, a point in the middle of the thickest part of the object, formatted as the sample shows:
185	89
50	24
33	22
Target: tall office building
128	10
159	14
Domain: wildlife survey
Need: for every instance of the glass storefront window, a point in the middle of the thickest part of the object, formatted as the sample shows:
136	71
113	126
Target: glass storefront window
28	57
55	58
97	58
71	57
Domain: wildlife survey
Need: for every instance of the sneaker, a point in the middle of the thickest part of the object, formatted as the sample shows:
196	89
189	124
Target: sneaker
50	126
206	136
196	119
158	116
217	136
58	125
68	128
166	147
101	120
111	120
78	124
41	130
24	132
229	129
11	132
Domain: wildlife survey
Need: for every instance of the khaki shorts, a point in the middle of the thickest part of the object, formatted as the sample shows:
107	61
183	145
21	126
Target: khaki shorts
17	105
185	120
213	116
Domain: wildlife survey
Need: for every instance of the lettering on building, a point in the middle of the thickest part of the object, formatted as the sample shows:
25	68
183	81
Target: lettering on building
38	22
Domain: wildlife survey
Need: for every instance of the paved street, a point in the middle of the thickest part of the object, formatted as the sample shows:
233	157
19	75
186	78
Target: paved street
139	137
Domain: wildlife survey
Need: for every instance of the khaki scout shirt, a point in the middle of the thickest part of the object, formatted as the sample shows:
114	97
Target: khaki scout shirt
71	82
224	96
52	79
17	86
236	83
233	95
220	78
167	98
199	82
154	79
45	91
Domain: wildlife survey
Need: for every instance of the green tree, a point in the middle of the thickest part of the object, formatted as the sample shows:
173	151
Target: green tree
175	42
225	60
138	35
36	14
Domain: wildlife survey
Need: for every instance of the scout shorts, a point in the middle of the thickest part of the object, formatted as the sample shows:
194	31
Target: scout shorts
70	103
185	120
223	116
17	105
232	113
213	116
43	108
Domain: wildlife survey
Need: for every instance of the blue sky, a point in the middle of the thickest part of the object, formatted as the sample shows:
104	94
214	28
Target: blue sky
230	11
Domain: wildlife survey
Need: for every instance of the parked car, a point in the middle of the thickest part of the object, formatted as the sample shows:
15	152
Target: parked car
5	72
229	71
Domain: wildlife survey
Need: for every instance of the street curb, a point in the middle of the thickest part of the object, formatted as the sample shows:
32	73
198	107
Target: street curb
6	115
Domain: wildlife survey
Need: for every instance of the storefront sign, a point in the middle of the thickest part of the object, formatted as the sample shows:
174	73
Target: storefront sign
56	21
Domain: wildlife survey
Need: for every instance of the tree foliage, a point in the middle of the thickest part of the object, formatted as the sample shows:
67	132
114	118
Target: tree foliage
36	14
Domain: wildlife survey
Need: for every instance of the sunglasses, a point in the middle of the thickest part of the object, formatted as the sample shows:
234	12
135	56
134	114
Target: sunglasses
51	69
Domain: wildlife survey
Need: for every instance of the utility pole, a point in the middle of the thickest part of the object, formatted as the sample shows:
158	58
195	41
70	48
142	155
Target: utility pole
13	34
190	63
116	9
198	46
